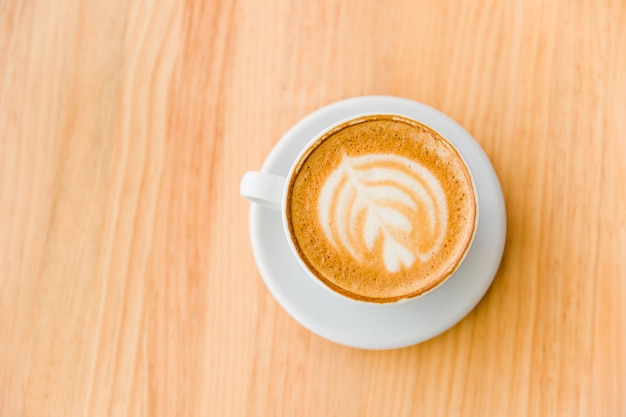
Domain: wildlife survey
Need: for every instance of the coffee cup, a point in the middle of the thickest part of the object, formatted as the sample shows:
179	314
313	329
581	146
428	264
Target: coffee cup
377	208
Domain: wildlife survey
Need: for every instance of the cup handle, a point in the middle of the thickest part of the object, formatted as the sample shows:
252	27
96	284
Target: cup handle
263	188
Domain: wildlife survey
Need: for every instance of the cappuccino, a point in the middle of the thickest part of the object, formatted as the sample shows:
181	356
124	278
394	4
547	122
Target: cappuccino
381	208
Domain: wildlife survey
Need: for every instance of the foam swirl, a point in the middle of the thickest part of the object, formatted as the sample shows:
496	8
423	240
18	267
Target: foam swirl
379	196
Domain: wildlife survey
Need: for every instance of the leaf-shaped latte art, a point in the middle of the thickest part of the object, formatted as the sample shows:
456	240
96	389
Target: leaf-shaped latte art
376	196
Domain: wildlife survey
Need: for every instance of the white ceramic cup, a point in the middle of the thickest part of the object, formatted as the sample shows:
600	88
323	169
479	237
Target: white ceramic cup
270	191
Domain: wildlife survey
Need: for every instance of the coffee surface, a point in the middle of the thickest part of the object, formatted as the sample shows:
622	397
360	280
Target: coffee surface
381	208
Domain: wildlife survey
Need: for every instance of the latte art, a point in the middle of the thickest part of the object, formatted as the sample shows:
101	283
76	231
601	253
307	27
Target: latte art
379	196
380	208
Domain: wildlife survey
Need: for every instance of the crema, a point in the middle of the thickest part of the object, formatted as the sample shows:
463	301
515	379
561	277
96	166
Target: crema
381	208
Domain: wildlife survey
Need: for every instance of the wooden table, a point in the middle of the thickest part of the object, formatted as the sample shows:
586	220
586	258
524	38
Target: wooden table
127	283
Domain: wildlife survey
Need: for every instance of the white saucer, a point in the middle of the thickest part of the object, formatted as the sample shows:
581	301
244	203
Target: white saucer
363	325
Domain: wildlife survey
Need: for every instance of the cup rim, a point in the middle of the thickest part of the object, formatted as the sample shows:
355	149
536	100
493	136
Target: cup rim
285	222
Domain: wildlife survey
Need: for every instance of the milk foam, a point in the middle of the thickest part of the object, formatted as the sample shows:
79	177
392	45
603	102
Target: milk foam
376	196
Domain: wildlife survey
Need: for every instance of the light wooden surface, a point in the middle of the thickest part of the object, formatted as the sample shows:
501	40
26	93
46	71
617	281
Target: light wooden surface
127	283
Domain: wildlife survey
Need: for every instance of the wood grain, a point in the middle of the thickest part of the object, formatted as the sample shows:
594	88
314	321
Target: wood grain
127	283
